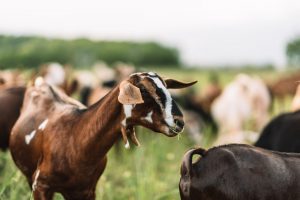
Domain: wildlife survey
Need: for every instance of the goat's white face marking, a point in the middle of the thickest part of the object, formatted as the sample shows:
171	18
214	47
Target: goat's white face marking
168	105
29	137
152	74
34	185
149	117
43	125
127	111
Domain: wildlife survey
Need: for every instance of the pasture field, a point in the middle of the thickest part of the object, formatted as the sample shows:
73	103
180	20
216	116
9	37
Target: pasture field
149	172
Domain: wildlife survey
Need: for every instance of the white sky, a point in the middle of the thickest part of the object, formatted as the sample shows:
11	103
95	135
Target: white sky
206	32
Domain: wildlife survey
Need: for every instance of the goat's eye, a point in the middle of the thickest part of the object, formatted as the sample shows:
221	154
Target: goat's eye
143	89
144	92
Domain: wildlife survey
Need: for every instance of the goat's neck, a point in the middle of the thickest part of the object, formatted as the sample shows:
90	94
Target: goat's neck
102	124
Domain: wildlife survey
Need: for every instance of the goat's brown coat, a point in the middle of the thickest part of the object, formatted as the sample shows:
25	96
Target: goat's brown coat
69	155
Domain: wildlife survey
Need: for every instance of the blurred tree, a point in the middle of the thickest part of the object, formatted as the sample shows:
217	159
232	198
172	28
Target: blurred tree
293	52
32	51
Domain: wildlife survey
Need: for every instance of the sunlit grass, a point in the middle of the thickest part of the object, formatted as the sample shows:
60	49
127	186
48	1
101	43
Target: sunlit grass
147	172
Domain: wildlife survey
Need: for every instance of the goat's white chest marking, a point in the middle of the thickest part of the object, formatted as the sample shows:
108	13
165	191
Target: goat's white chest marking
29	137
34	185
168	104
127	111
149	117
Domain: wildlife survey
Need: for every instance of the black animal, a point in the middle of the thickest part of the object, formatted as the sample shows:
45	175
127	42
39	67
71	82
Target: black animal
282	133
240	172
188	103
11	100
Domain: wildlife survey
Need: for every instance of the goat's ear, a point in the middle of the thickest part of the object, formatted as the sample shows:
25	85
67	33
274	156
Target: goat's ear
174	84
129	94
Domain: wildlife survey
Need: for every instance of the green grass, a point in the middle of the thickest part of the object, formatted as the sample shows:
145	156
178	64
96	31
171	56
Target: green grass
150	172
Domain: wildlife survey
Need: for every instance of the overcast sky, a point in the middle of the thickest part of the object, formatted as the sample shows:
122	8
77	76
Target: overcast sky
207	32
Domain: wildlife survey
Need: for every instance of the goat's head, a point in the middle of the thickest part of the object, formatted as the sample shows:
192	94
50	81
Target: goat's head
42	94
38	93
147	102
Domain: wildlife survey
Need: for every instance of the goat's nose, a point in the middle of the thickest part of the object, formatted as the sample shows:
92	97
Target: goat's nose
179	123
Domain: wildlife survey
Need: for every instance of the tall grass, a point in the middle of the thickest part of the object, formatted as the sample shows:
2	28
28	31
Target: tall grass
149	172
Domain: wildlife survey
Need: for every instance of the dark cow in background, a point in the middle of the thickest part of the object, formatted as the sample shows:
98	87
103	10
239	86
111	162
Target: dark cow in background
282	133
240	172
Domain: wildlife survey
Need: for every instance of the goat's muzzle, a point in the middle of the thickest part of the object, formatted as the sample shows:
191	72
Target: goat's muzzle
178	126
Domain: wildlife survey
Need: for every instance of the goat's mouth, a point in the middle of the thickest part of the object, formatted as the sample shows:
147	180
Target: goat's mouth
176	128
173	131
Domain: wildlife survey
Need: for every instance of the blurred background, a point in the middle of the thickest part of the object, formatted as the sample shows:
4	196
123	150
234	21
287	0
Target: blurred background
244	54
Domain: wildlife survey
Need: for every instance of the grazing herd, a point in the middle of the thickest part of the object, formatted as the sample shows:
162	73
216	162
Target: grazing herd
61	144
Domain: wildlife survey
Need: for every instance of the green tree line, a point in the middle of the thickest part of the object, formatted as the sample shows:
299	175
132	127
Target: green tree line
31	51
293	52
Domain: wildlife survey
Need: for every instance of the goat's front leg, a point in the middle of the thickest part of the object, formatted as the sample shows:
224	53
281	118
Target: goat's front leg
40	190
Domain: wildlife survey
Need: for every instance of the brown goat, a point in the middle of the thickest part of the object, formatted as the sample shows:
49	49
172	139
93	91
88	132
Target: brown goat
237	171
57	75
285	86
11	100
61	146
11	78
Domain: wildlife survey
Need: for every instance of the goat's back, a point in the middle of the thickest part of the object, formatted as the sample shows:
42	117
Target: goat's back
43	106
282	133
234	172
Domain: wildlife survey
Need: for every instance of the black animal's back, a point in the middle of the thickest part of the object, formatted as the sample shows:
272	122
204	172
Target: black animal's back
282	133
235	172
